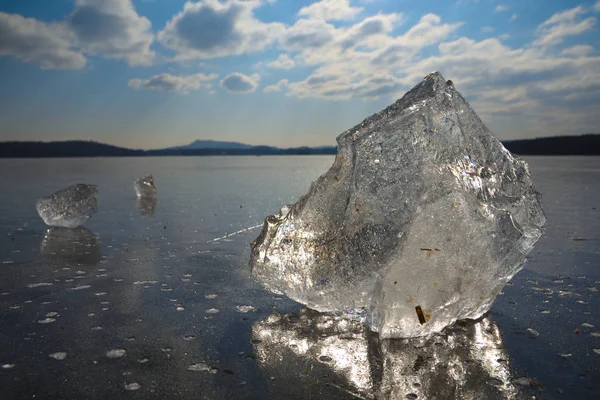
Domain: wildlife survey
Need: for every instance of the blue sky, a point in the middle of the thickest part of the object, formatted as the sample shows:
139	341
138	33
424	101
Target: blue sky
157	73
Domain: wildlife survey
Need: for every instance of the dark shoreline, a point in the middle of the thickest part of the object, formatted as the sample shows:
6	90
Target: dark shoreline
588	144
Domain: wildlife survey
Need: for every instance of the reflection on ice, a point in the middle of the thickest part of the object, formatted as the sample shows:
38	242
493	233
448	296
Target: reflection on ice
78	245
146	205
315	355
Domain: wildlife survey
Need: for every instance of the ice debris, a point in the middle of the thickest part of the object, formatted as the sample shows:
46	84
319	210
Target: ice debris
144	187
115	353
69	207
132	386
422	219
61	355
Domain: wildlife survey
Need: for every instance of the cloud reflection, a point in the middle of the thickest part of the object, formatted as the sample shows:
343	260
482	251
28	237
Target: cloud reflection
313	355
65	245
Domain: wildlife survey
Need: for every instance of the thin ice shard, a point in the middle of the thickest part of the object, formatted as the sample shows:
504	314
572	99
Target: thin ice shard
144	187
423	207
69	207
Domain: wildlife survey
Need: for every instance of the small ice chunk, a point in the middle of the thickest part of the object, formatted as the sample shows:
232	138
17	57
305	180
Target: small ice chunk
41	284
211	296
8	366
533	332
212	311
180	308
145	282
144	187
132	386
61	355
69	207
245	309
47	320
81	287
115	353
199	367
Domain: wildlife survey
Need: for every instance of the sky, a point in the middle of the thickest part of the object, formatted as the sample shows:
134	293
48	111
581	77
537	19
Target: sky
159	73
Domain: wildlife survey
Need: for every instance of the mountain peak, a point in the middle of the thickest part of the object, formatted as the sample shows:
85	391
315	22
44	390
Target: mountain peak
213	144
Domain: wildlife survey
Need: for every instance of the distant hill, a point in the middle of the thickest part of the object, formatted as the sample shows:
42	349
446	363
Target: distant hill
211	144
80	148
588	144
71	148
250	151
559	145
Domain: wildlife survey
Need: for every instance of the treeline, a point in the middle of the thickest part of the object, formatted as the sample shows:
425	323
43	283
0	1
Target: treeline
584	145
558	145
80	148
252	151
73	148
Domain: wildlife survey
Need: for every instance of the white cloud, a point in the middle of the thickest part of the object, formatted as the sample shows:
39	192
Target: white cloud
108	28
487	29
50	45
428	31
563	24
504	84
113	29
240	83
597	6
580	50
514	17
501	7
307	35
330	10
370	32
359	61
277	87
211	29
174	83
282	62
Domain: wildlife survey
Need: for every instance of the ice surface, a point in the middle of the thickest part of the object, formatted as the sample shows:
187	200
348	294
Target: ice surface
421	220
144	187
69	207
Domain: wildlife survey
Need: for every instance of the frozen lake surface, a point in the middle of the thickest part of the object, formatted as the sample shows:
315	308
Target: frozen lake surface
156	299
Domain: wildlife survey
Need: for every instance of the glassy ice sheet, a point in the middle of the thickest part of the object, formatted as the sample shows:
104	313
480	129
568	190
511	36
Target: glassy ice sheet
155	299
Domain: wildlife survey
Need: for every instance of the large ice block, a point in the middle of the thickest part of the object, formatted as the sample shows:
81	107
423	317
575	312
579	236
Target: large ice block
421	220
69	207
144	187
